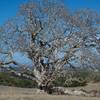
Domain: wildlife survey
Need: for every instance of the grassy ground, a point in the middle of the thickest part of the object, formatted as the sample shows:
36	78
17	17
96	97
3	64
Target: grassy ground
90	86
13	93
46	97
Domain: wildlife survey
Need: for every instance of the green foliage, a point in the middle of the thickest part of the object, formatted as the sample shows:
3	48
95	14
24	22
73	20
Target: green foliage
74	82
7	79
78	78
89	75
94	76
72	78
71	82
59	81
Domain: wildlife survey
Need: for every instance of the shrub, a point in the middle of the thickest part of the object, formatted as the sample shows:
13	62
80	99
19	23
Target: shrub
74	82
72	79
7	79
95	76
60	81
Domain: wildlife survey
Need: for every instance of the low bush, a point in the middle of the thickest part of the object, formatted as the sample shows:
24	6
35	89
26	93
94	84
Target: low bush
74	82
7	79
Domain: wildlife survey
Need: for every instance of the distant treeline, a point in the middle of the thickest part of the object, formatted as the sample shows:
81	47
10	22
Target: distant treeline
9	80
79	78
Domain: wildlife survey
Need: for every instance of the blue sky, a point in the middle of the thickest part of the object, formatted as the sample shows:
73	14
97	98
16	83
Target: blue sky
8	8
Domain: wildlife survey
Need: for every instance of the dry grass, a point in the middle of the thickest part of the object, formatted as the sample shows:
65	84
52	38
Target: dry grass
45	97
13	93
90	86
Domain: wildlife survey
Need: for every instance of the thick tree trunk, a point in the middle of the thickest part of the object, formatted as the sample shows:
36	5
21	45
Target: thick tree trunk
47	88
